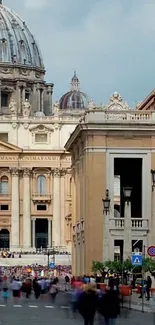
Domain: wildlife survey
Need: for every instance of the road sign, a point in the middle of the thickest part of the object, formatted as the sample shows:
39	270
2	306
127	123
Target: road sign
52	265
137	260
151	251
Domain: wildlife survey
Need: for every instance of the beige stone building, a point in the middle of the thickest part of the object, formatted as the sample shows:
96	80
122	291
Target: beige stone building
35	175
113	153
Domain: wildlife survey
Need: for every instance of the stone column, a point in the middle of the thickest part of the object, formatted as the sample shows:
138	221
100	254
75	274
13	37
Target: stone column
56	222
49	233
33	232
26	210
106	236
62	204
0	97
18	96
127	249
23	94
42	100
38	98
15	210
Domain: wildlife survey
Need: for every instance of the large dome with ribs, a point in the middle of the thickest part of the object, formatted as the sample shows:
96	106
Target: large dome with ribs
17	45
74	99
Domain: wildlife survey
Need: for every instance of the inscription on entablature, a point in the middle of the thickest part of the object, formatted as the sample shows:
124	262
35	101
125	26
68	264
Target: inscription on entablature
37	158
3	158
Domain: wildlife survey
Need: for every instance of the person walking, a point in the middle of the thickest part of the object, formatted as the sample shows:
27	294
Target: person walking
5	288
36	288
53	290
87	304
109	306
148	287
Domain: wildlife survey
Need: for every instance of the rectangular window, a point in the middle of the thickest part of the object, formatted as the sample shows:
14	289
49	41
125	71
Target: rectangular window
41	207
41	138
4	137
4	100
4	207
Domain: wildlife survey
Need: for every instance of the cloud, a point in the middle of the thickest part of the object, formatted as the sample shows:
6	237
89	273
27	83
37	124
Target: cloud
36	4
110	43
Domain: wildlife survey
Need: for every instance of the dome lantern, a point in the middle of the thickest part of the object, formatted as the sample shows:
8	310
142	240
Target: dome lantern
75	98
75	83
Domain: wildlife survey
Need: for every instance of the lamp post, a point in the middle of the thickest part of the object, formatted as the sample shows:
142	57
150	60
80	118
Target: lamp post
153	209
106	210
127	249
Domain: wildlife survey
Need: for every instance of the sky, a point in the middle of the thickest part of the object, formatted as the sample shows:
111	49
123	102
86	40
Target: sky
110	43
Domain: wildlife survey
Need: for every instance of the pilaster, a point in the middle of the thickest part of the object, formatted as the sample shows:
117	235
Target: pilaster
56	222
26	209
15	210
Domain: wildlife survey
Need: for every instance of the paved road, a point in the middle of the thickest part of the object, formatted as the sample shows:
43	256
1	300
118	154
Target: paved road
42	312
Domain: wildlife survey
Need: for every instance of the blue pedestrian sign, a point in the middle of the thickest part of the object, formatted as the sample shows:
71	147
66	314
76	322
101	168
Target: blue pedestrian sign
137	260
52	265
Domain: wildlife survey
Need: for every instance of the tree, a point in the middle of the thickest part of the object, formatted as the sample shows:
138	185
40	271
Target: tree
97	266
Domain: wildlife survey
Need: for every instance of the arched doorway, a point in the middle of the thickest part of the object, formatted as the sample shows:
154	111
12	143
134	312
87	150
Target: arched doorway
41	233
4	238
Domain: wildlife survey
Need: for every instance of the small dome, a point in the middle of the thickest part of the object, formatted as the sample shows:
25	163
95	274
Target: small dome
17	44
39	114
74	99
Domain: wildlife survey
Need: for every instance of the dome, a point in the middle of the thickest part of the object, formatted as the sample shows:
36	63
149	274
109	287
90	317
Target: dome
39	114
17	44
74	99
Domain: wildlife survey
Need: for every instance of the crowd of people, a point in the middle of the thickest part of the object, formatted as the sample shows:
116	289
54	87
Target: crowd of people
85	294
7	254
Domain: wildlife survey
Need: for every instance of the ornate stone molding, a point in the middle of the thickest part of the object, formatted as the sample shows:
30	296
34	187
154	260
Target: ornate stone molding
26	172
116	103
14	171
56	172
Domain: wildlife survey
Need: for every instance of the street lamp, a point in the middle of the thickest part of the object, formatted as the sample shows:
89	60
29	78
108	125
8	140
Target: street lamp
106	203
153	179
127	193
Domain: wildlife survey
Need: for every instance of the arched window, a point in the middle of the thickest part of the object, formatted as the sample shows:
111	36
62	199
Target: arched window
4	185
41	184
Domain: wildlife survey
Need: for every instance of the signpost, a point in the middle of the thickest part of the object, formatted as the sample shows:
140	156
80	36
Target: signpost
151	251
137	260
52	265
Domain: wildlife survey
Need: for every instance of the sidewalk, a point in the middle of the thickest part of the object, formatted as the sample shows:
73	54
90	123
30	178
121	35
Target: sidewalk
136	303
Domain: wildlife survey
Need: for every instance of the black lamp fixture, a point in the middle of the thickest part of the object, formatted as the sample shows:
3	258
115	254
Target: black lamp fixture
153	178
106	203
127	193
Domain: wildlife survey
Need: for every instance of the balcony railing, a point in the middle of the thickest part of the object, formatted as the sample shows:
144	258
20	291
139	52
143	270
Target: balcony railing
37	197
136	223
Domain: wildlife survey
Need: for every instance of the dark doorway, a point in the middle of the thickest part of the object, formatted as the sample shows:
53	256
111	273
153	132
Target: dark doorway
41	239
130	171
119	244
4	238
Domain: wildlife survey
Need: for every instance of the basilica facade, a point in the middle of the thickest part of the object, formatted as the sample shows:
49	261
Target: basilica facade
35	169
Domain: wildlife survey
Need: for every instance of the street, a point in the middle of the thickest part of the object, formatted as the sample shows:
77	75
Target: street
32	312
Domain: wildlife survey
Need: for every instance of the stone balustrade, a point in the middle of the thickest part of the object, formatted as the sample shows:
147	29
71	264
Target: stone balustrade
101	115
125	116
136	223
